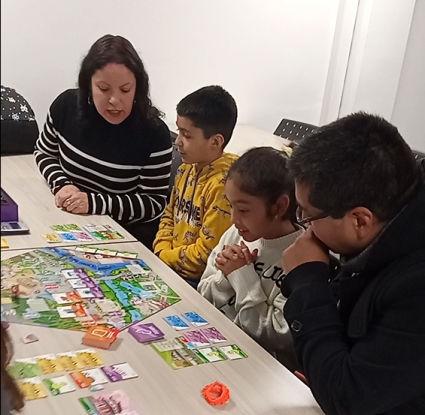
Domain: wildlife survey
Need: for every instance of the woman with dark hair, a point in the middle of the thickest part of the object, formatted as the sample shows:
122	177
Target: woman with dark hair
11	397
103	148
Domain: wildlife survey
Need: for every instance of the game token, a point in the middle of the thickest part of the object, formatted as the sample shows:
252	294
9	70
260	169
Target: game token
216	393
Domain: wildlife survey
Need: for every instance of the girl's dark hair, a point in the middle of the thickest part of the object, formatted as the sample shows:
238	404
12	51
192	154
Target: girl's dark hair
115	49
262	172
16	398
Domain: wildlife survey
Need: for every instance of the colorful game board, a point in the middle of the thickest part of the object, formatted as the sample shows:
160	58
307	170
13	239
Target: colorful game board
73	290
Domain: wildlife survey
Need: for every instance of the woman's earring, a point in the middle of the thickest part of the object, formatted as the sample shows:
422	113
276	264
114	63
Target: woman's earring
89	100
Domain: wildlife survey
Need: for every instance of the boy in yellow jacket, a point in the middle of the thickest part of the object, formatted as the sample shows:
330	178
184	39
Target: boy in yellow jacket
198	213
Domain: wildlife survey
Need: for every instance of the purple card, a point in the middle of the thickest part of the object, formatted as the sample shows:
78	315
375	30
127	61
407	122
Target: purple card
145	332
196	338
117	373
213	335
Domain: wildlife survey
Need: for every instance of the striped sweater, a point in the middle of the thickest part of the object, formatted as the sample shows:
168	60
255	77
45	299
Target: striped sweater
124	168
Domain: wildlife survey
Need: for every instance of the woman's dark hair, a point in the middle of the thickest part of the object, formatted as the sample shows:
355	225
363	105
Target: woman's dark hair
16	398
115	49
263	172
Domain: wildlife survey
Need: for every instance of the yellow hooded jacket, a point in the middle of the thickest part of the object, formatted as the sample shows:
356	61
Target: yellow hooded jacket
196	217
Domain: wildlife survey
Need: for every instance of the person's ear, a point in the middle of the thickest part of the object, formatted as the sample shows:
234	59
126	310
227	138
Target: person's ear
217	141
362	221
282	205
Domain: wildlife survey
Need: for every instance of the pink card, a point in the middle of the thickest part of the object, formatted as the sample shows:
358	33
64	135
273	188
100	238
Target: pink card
196	338
213	335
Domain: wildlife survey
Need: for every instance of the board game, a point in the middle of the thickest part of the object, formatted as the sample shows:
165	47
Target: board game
73	290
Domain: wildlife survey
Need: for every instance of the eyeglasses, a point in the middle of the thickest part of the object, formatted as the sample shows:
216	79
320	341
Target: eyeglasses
305	221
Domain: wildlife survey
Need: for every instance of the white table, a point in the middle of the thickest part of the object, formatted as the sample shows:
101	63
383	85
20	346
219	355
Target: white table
258	384
22	181
245	137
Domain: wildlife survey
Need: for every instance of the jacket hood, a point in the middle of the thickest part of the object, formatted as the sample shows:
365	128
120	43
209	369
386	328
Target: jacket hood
218	167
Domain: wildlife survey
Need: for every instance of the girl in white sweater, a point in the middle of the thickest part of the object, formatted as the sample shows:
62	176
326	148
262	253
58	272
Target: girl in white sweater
241	273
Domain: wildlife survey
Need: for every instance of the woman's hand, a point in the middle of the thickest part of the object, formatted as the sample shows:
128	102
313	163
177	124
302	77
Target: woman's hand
77	203
64	193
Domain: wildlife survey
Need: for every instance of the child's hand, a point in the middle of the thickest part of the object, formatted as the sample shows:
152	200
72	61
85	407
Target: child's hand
228	266
234	257
250	257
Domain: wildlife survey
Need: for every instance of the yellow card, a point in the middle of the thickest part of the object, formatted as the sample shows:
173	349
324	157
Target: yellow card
89	357
70	361
49	363
4	243
32	388
52	237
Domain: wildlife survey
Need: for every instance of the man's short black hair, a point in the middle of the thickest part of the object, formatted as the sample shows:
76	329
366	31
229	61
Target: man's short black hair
359	160
212	109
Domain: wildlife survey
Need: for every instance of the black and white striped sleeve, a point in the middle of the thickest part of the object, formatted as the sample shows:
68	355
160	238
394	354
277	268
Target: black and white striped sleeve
148	202
47	156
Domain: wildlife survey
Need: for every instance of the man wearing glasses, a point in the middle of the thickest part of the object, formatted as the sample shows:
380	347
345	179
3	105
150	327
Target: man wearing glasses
360	339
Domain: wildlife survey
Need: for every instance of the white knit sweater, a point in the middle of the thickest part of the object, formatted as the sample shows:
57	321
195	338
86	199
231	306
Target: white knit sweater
249	296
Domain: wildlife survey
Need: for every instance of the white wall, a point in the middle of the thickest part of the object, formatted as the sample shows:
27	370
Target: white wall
409	108
272	55
376	58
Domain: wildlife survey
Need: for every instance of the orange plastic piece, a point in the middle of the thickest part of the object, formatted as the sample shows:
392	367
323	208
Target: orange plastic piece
216	393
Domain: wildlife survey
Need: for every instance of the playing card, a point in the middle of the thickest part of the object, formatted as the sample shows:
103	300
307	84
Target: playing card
95	233
82	236
32	388
70	361
192	356
196	338
129	255
89	357
176	322
49	363
173	358
24	368
59	385
87	249
67	236
117	373
72	227
213	335
110	229
52	238
166	345
233	352
89	378
60	228
195	319
108	403
212	354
